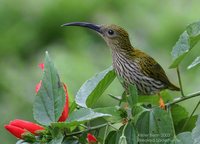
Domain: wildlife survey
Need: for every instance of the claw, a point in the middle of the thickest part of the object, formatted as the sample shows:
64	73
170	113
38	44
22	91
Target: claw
161	103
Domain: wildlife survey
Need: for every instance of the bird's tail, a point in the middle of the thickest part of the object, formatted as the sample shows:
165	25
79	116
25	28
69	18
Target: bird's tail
173	87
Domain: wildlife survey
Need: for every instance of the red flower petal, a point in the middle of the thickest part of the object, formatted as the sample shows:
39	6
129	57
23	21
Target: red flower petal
16	131
29	126
41	65
37	87
91	138
65	112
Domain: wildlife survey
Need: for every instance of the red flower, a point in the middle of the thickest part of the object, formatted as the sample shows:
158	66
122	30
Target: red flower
30	126
16	131
19	127
41	65
37	87
91	138
65	112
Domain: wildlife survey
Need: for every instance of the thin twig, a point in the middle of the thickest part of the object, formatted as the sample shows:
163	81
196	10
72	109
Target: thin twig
115	97
180	99
82	125
105	134
170	114
112	126
180	82
90	129
185	124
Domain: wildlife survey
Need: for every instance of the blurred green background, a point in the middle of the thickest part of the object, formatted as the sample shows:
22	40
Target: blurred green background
30	27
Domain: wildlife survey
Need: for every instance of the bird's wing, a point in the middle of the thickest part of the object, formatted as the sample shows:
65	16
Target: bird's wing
151	68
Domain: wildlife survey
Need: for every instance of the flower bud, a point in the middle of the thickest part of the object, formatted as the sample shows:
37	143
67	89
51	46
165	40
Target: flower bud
19	128
16	131
29	126
91	138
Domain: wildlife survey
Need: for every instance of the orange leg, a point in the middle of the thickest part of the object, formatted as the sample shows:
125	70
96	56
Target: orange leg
161	102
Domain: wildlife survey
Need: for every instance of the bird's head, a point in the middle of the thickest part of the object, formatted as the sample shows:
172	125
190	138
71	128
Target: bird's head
115	36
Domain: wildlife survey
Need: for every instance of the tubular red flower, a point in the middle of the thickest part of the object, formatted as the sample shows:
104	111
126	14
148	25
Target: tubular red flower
16	131
29	126
65	112
37	87
91	138
41	65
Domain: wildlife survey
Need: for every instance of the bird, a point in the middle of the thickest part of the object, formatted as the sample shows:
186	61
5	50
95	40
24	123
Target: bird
131	64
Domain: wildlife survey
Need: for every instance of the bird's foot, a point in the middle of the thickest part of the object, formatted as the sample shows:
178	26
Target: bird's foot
161	103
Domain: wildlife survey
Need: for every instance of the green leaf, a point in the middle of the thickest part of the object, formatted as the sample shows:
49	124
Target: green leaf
137	110
93	88
70	141
190	124
196	132
180	49
186	42
64	125
178	113
72	107
130	135
77	117
183	138
112	138
113	111
133	95
194	63
50	99
154	125
57	140
85	114
83	138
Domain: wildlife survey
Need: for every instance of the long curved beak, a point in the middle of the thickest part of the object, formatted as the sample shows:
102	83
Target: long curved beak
94	27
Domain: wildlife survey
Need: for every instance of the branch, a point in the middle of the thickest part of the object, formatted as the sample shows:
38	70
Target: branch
185	124
180	99
105	134
89	129
179	80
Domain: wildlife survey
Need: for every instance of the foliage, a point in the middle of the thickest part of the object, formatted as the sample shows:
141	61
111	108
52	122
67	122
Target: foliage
127	123
50	99
29	28
93	88
188	39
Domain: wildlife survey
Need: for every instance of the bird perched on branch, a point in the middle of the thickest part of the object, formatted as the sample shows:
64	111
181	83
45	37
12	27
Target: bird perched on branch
133	65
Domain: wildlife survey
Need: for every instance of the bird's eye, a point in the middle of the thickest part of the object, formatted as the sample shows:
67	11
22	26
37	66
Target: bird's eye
110	32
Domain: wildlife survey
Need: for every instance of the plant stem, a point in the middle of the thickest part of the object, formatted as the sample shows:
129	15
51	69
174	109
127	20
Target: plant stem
170	114
112	127
185	124
179	80
124	129
180	99
91	128
82	125
115	97
105	134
